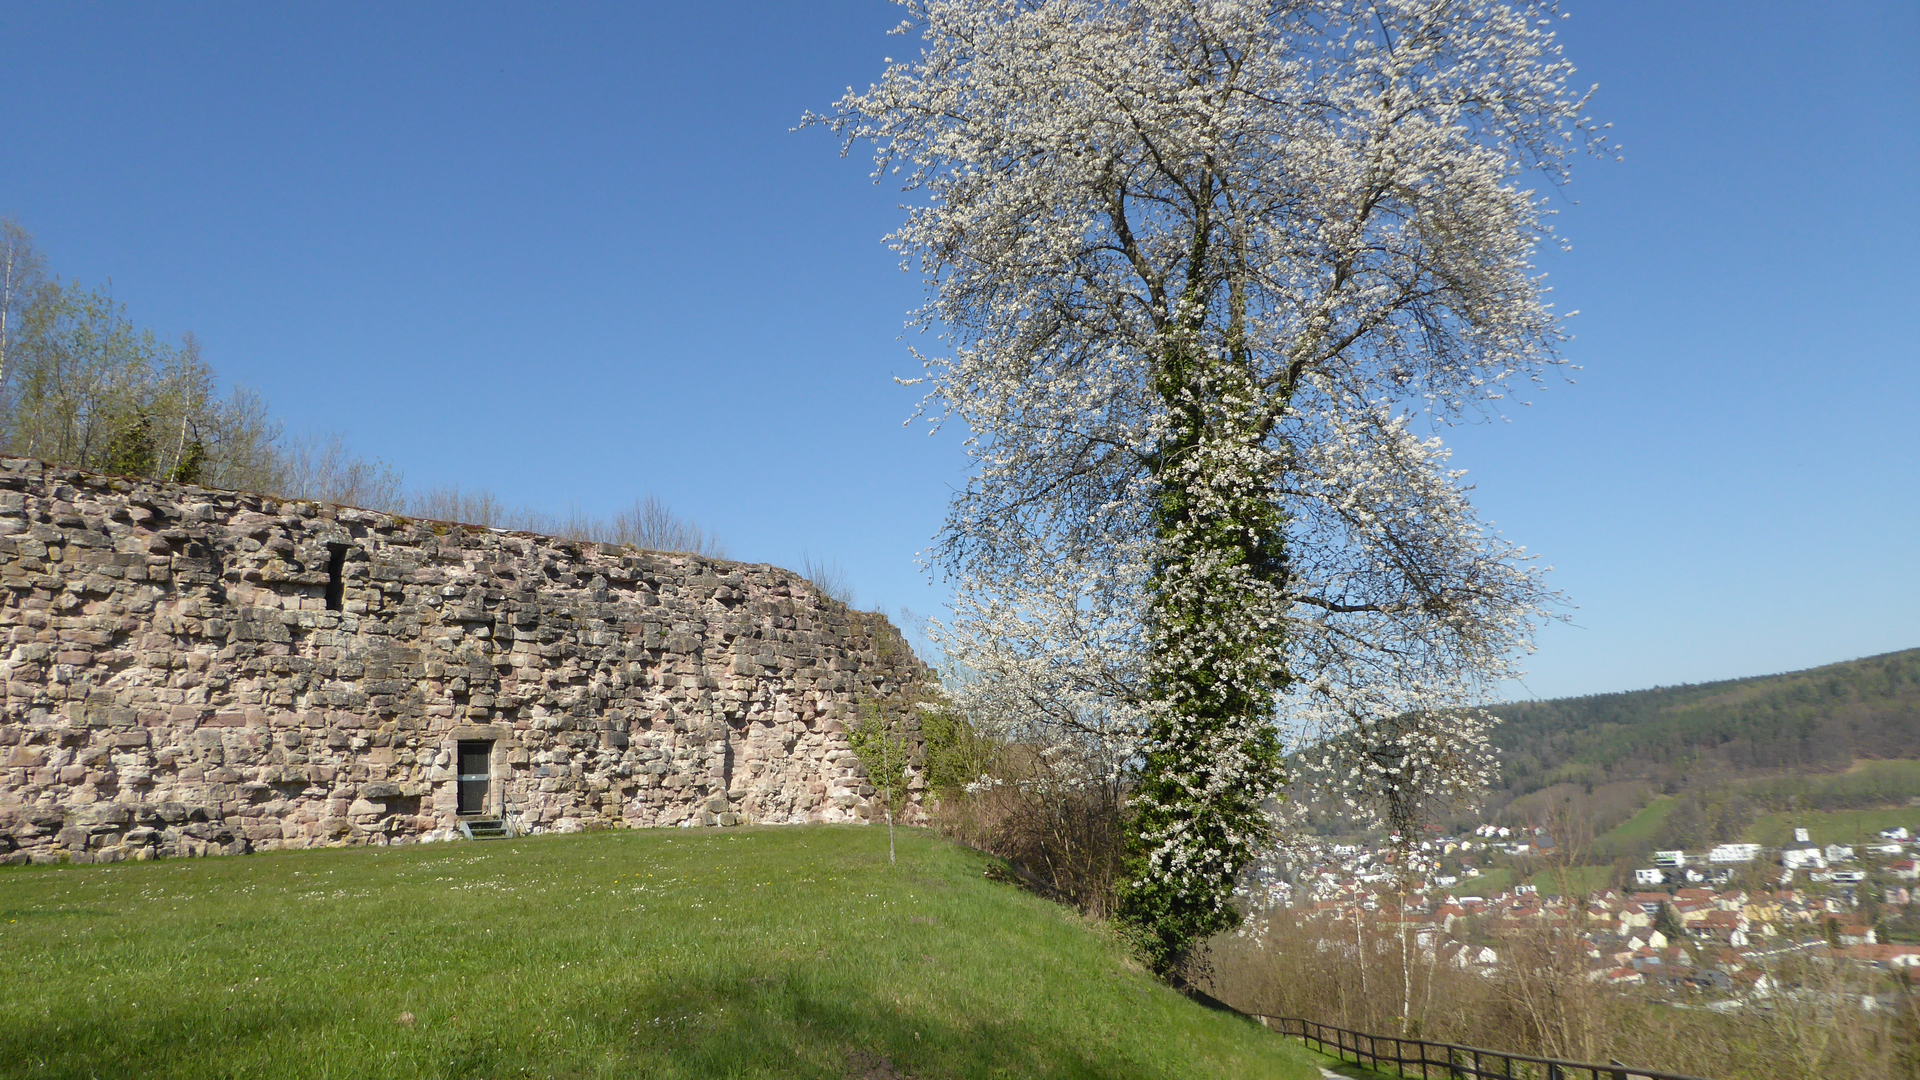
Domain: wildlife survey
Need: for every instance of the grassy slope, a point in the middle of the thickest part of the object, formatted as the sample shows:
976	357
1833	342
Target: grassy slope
1864	785
758	952
1636	829
1831	826
1490	883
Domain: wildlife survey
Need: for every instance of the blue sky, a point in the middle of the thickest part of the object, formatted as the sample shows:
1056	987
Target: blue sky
574	254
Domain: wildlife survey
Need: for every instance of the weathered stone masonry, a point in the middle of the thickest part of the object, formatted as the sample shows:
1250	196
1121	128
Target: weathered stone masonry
176	681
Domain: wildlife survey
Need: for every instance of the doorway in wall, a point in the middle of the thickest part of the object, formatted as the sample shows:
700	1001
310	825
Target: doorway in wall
474	772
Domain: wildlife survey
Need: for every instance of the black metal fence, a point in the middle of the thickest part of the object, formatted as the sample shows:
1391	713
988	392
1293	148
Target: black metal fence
1447	1061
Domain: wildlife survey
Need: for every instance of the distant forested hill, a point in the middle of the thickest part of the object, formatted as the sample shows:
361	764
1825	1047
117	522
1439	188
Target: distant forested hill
1617	749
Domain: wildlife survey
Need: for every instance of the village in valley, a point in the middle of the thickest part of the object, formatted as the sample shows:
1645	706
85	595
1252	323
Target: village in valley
1721	928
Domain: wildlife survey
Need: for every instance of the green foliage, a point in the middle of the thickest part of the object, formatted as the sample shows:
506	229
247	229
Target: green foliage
777	952
1212	755
89	389
129	450
192	464
1667	921
885	748
955	752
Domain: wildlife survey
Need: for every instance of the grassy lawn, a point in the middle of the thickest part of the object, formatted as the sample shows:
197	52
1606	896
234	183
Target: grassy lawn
793	952
1831	826
1581	880
1489	884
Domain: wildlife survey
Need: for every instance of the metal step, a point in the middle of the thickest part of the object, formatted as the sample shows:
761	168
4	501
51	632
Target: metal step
486	828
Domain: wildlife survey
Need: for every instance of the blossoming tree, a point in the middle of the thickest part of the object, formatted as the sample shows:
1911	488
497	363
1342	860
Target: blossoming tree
1198	268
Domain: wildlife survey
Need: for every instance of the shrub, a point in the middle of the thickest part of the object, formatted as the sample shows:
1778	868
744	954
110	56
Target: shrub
1044	810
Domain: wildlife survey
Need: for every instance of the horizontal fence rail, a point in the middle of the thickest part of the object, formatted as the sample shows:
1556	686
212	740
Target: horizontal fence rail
1448	1061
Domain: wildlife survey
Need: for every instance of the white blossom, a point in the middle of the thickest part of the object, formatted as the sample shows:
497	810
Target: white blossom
1334	206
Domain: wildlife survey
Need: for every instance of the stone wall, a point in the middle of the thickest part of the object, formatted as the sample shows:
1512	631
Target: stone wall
189	671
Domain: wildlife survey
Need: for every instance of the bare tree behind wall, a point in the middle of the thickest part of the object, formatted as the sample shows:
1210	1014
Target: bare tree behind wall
82	385
828	576
22	273
86	387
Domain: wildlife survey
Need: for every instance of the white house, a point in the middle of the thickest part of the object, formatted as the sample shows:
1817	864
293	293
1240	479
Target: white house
1733	853
1649	876
1803	858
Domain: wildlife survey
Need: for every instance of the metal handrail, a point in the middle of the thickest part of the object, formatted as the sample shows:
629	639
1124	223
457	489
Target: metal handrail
1458	1062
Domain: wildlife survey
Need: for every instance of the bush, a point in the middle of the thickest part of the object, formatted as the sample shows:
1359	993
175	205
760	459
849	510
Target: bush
1046	811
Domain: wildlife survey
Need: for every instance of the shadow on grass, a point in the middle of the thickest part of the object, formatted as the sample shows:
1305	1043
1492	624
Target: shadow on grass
774	1027
143	1040
793	1026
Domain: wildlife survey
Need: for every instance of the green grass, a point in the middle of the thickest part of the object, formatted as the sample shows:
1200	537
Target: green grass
1868	784
791	952
1831	826
1904	772
1489	884
1637	830
1583	880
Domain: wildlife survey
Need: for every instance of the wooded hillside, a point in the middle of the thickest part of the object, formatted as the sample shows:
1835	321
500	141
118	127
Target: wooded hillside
1819	720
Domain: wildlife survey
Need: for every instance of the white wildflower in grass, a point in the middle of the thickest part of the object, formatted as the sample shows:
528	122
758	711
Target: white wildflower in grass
1196	269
